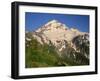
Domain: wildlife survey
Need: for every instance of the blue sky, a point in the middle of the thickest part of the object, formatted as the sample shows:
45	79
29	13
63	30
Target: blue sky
35	20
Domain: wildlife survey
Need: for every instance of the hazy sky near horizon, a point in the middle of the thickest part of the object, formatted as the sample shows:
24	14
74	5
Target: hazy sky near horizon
34	21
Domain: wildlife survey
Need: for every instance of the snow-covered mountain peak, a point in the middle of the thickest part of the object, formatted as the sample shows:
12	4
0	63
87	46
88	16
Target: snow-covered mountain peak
52	25
68	43
51	22
57	33
54	30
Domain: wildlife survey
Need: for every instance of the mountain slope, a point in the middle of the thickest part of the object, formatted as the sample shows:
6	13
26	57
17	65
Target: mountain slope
69	45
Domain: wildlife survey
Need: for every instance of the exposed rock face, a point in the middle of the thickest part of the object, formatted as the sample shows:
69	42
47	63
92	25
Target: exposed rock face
69	43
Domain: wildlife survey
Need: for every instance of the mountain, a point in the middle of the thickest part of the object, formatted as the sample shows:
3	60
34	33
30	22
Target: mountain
70	44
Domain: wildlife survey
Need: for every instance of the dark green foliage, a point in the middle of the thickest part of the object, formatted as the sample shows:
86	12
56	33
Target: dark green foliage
38	55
